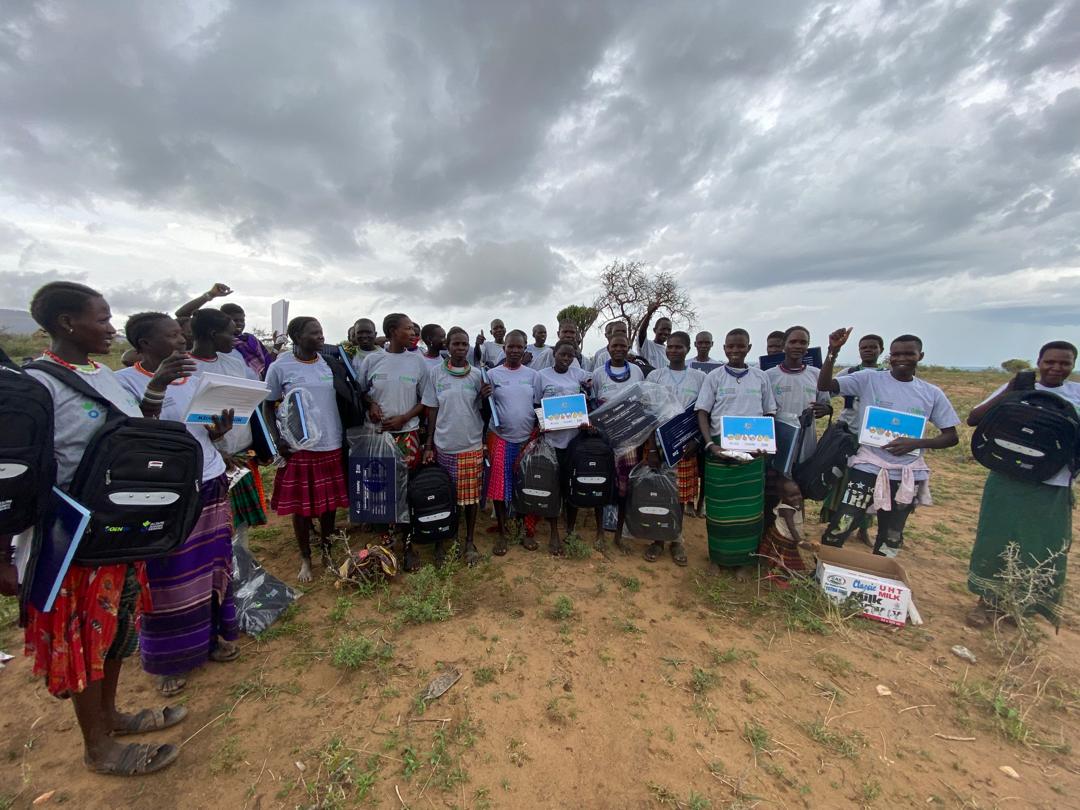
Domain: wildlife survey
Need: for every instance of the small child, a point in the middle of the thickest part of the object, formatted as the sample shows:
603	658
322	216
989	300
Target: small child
784	537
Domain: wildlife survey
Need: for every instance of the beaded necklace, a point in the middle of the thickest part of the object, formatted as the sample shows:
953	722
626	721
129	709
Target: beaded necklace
89	368
456	372
787	370
738	375
616	378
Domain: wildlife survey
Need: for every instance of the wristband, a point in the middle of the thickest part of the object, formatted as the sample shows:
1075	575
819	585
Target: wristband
709	444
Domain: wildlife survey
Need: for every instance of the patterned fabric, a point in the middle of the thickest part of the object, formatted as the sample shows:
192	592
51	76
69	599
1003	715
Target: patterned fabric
832	501
466	470
247	506
780	552
686	478
70	643
311	483
191	591
254	353
1038	519
408	443
734	505
503	457
624	463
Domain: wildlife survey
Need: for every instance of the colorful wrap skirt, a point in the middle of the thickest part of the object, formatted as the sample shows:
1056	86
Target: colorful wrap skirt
735	508
311	483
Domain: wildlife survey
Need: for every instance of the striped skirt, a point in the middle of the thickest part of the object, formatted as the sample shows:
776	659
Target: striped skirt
311	483
624	464
248	508
466	470
686	478
734	505
502	456
191	592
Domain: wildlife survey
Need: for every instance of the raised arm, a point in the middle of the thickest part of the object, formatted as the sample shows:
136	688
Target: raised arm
219	290
836	342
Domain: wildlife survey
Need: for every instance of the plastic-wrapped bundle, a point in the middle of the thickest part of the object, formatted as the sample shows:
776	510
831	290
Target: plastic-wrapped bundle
296	420
537	484
631	415
378	479
260	597
652	508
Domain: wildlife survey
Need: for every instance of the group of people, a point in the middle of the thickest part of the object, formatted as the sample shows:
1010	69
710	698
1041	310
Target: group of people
431	390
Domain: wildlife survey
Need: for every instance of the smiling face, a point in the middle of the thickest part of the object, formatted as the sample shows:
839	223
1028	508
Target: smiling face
91	329
458	347
239	320
563	358
539	334
617	347
736	347
164	339
1055	366
662	330
904	357
514	348
310	339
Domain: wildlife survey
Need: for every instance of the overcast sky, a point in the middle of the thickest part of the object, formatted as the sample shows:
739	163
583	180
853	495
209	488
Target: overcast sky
892	166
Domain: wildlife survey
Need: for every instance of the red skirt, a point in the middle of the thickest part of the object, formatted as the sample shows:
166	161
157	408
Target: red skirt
686	477
311	483
70	642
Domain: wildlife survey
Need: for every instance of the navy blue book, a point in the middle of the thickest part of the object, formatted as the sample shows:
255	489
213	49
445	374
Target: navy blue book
811	358
675	434
62	531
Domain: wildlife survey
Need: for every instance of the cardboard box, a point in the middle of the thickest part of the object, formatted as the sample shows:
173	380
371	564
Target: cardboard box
880	583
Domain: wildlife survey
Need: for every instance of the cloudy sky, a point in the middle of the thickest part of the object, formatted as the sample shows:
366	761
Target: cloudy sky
892	166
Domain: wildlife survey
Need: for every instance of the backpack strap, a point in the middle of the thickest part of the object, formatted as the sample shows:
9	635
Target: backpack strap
76	383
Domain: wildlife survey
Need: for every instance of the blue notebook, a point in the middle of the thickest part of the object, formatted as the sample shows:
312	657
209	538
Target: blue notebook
62	532
676	433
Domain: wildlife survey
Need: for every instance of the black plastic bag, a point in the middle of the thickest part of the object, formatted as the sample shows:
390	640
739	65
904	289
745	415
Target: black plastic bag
260	597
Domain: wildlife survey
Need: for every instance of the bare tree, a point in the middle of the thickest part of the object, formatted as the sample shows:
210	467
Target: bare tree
633	294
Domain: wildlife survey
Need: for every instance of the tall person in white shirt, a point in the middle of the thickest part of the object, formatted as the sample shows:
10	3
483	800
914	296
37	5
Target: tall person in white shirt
652	351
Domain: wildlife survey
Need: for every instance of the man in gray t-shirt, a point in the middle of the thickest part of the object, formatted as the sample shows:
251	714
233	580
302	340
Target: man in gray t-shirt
394	382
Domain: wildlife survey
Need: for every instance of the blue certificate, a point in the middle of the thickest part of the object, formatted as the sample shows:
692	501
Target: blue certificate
675	434
748	433
561	413
881	425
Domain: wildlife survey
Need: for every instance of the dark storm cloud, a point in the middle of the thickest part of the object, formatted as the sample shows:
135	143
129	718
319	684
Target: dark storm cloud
737	143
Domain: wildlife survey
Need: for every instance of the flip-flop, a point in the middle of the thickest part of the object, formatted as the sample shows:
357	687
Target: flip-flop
136	759
177	687
678	553
223	655
529	543
653	552
152	720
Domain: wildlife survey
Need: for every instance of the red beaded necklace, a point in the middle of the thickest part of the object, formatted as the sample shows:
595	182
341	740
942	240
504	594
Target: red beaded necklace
61	361
139	368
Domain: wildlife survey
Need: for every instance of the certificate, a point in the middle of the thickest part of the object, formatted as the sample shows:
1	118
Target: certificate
561	413
880	426
748	433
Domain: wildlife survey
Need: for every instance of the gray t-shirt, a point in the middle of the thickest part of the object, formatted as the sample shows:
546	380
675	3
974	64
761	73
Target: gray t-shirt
459	426
513	392
852	417
395	382
685	384
725	394
604	388
914	396
287	373
542	356
77	419
175	408
361	355
549	383
491	353
655	354
794	392
1068	390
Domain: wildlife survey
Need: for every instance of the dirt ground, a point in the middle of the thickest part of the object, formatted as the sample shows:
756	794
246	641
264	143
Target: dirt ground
602	682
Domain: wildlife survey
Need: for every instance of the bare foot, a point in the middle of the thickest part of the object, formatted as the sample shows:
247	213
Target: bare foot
622	545
170	685
744	573
305	571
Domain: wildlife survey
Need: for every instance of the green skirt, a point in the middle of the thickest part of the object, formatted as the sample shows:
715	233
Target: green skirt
735	509
247	508
1037	518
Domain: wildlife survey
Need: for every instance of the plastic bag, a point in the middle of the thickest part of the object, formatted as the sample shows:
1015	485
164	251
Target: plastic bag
652	505
631	415
260	597
537	482
296	420
378	479
236	441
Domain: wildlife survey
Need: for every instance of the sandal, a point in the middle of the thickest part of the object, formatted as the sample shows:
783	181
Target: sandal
499	549
224	652
678	553
653	552
555	549
529	542
151	720
170	685
135	759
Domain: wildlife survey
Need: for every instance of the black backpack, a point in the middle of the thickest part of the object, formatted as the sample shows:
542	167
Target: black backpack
819	473
536	485
1028	435
592	471
652	508
433	509
350	407
138	477
27	464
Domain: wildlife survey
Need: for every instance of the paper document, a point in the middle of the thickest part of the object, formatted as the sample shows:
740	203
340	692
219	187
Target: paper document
279	317
563	413
881	425
748	433
216	392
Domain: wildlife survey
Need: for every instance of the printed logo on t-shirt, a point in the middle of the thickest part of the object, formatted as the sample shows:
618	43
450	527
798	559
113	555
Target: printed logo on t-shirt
408	378
92	409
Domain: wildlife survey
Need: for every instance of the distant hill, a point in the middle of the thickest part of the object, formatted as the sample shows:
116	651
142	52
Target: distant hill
17	322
